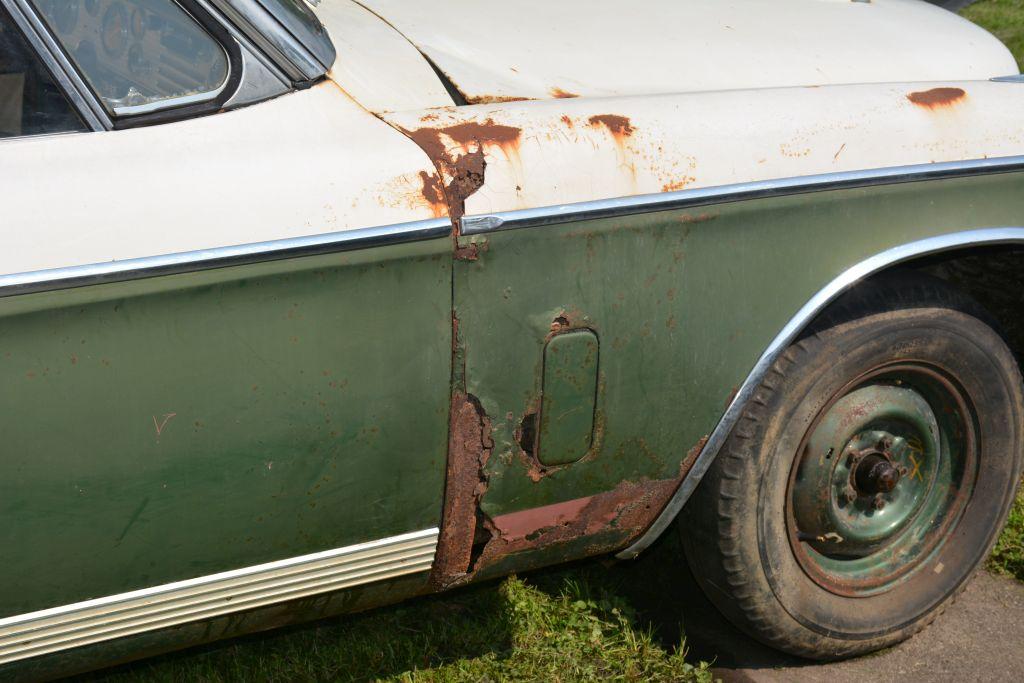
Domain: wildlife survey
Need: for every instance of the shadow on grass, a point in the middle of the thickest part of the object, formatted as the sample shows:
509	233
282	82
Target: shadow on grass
379	644
598	618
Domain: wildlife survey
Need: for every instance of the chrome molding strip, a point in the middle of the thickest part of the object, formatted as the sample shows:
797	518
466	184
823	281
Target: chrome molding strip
874	264
93	621
221	257
685	199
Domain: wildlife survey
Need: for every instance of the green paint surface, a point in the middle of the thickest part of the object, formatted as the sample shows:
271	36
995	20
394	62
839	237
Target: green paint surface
684	303
165	429
569	394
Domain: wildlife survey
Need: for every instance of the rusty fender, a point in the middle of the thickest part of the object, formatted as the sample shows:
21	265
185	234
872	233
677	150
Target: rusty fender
471	541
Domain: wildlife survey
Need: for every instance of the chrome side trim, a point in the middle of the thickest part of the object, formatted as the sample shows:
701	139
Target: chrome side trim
220	257
817	303
93	621
1017	78
685	199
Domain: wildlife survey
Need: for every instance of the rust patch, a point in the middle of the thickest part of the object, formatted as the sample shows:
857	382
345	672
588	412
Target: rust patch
629	508
567	121
689	218
609	519
520	525
938	98
462	163
677	184
732	396
562	94
469	252
469	448
691	457
433	192
619	126
494	99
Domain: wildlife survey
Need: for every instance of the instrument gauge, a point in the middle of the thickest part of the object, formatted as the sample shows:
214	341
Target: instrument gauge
114	35
138	22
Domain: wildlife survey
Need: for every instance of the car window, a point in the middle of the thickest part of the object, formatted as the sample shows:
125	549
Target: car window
302	23
31	103
138	55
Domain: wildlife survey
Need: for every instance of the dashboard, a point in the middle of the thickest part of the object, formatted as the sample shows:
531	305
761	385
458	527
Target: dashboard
137	52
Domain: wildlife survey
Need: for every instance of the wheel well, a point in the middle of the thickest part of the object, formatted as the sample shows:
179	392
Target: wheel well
992	276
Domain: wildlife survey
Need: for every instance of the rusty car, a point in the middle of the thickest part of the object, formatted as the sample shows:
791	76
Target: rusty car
312	307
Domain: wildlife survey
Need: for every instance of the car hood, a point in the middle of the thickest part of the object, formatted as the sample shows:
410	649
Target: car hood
495	51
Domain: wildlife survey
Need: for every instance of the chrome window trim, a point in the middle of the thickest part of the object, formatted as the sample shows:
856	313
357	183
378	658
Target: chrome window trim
685	199
47	49
175	102
170	103
792	329
260	26
221	257
260	78
92	621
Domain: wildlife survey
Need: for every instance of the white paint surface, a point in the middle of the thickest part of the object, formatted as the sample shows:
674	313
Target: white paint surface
378	67
307	163
599	48
564	154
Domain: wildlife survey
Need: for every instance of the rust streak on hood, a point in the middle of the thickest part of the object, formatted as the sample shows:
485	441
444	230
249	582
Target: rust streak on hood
495	99
619	126
938	98
558	93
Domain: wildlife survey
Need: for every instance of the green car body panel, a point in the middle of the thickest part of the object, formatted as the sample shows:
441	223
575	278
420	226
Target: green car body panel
684	303
201	422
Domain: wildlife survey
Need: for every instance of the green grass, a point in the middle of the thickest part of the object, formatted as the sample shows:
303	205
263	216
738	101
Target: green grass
1005	19
571	624
1008	556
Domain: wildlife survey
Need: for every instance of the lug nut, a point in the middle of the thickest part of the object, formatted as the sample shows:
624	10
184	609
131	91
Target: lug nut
878	503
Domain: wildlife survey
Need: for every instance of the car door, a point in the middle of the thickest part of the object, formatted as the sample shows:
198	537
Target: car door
225	336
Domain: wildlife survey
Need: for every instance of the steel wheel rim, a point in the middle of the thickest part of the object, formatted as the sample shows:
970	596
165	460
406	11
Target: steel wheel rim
881	477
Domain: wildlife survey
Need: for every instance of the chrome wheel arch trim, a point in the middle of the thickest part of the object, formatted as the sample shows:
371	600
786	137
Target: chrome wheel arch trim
721	194
810	310
93	621
221	257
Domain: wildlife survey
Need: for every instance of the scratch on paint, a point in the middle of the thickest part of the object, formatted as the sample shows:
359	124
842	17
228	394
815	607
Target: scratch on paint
134	518
160	426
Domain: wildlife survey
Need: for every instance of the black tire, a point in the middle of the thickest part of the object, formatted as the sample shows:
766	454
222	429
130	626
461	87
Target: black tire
738	526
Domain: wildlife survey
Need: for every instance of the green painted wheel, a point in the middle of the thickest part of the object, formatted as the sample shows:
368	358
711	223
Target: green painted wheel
882	477
867	477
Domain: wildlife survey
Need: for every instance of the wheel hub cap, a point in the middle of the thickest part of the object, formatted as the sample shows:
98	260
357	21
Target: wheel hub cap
876	478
